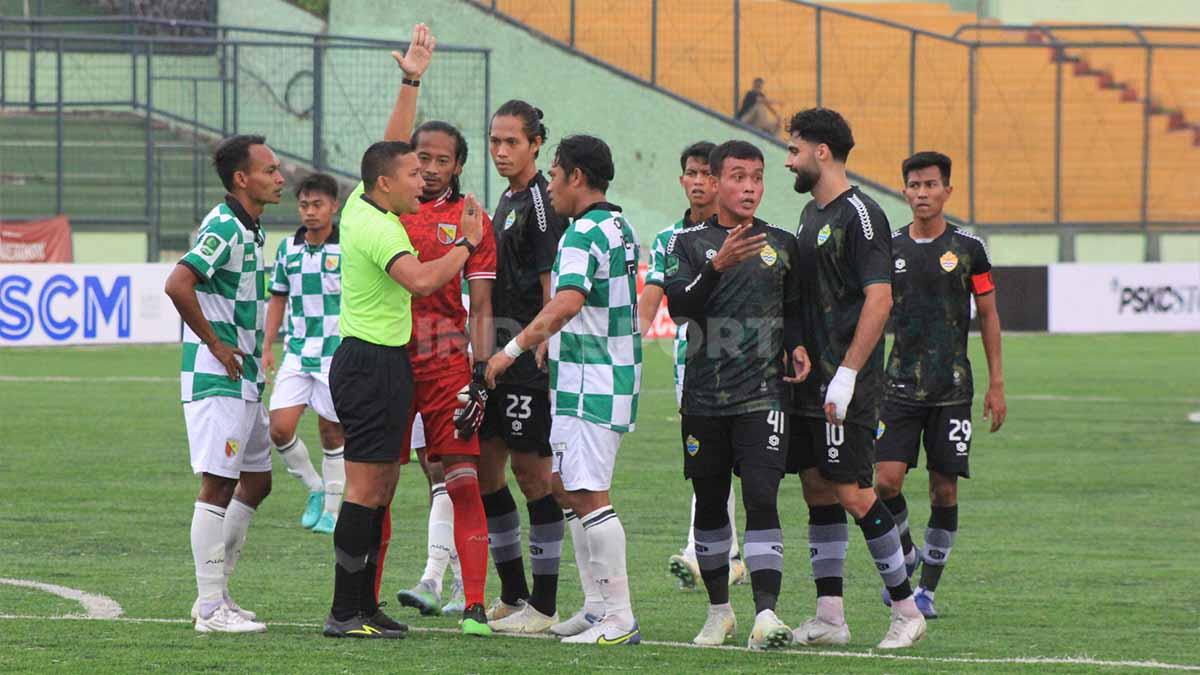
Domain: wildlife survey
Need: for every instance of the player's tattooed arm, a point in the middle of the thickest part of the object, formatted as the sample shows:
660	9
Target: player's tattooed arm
413	64
994	406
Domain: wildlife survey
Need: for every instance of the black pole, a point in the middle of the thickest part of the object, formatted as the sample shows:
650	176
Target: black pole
58	127
152	216
235	88
318	130
817	42
737	52
653	41
572	27
912	93
971	87
33	68
487	121
1147	111
1059	54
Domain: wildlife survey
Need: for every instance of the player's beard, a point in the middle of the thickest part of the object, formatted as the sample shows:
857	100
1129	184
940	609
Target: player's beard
806	180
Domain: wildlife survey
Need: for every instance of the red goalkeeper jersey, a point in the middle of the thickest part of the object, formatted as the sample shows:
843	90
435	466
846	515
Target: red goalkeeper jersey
439	340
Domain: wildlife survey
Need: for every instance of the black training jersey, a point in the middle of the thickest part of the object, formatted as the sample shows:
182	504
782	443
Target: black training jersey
527	232
844	247
739	322
932	284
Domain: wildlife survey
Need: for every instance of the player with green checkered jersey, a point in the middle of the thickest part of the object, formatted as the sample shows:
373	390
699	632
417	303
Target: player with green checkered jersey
595	359
306	286
219	289
701	190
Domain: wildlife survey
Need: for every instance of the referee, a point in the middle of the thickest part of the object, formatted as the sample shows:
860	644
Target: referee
370	377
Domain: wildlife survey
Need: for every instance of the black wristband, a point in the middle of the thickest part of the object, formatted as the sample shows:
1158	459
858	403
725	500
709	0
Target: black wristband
411	82
463	242
478	371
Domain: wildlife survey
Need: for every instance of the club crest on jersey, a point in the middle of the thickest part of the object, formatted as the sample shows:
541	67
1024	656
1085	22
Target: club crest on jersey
692	446
823	234
447	233
948	261
510	219
768	255
332	262
231	448
879	430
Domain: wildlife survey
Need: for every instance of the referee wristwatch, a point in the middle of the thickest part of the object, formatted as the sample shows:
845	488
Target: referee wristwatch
462	241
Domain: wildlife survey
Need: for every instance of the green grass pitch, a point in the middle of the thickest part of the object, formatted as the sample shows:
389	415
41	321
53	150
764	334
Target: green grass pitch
1078	535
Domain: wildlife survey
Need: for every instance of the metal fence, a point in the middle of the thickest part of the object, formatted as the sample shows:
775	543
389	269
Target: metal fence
116	130
1053	129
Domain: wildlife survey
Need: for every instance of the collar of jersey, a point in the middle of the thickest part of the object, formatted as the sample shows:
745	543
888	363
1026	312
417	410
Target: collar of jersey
301	240
844	193
532	181
598	206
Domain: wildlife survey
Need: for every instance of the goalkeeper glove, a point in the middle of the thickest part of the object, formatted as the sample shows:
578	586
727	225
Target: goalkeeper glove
474	399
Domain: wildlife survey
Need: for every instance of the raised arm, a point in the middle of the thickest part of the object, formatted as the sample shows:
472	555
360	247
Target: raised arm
412	64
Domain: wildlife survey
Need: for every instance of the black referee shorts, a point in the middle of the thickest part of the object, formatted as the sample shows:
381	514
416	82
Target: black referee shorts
372	388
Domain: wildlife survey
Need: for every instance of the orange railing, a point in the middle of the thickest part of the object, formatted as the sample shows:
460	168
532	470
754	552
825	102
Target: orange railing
1042	135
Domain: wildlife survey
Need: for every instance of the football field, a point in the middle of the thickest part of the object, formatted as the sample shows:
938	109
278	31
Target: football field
1078	548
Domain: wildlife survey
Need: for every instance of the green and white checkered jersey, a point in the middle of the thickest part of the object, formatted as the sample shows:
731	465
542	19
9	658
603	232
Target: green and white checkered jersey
656	275
596	359
228	256
311	278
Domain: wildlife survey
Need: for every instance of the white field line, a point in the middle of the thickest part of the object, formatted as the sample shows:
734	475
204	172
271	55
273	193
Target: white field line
869	655
96	606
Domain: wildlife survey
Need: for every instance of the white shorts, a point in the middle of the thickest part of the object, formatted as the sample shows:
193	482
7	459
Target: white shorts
227	436
293	388
418	433
584	453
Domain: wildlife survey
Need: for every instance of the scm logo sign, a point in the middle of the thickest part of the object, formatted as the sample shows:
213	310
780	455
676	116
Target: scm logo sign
25	306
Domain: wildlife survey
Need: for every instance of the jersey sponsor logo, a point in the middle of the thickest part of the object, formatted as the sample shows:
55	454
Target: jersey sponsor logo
510	219
900	264
210	245
768	255
447	233
692	445
332	261
231	448
948	261
823	235
880	430
709	254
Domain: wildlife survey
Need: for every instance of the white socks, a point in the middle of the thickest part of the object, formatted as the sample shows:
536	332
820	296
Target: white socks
606	543
208	553
441	537
237	521
831	610
333	468
731	505
593	601
295	455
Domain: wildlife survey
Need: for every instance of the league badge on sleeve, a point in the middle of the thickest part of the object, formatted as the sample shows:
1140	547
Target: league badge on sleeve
447	233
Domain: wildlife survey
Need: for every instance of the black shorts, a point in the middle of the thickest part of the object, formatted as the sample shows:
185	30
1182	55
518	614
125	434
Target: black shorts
713	446
946	431
520	416
844	454
372	388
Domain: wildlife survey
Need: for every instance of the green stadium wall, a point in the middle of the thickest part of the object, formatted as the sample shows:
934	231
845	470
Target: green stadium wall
645	128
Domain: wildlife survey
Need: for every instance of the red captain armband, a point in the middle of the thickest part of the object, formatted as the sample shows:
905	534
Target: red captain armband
982	283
